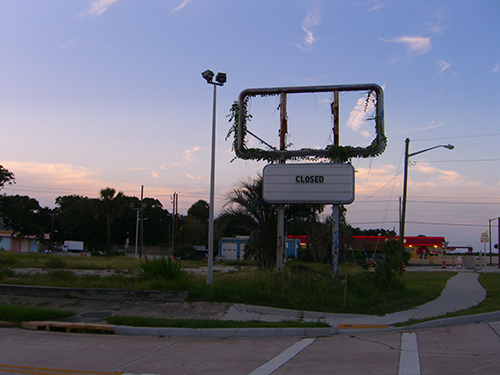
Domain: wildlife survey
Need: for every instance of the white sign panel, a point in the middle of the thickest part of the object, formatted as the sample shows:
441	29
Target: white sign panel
321	183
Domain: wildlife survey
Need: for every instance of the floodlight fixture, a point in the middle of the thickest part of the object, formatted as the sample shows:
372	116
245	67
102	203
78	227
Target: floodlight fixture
208	75
221	78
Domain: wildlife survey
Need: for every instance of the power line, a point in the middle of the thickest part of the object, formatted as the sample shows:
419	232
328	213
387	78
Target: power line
454	161
457	137
420	223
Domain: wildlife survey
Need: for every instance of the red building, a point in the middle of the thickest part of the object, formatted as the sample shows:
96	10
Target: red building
423	250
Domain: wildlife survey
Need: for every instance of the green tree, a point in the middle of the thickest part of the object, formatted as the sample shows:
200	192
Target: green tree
195	229
20	214
199	212
158	226
110	205
74	220
6	177
246	211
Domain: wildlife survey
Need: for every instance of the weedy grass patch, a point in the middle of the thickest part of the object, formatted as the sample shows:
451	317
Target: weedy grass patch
18	313
160	268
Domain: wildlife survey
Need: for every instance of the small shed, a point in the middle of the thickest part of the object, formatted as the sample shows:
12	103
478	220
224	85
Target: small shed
233	248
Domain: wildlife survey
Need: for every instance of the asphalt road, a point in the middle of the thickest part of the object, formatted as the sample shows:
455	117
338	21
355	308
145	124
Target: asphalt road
472	348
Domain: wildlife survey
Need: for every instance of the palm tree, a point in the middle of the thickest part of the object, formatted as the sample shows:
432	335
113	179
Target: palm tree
246	209
246	205
110	205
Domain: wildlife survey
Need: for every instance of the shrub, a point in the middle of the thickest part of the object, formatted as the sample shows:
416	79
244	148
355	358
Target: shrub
160	268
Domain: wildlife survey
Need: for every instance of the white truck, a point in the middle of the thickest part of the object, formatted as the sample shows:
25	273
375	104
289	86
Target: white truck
73	246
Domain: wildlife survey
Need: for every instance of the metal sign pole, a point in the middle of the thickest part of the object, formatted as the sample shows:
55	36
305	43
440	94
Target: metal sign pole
335	239
280	248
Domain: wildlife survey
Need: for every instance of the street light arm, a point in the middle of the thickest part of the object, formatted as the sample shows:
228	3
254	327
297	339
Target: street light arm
449	147
402	218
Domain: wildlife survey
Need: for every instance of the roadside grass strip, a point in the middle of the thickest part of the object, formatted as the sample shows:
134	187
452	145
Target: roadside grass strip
362	326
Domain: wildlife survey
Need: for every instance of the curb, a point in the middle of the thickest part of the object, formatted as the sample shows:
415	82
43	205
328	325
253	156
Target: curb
212	333
495	315
69	327
177	332
245	333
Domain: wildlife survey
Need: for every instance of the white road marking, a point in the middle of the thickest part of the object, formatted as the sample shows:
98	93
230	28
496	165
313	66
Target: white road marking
409	362
269	367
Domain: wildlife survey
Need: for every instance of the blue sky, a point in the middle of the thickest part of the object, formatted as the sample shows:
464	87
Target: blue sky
109	93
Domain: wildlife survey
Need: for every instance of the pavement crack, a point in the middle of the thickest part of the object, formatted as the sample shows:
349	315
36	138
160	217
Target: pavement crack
118	368
493	329
376	342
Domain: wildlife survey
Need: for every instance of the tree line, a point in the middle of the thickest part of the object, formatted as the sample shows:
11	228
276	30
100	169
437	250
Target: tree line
111	219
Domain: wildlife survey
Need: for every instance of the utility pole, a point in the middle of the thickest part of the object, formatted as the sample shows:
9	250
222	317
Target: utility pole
175	207
141	221
280	248
335	207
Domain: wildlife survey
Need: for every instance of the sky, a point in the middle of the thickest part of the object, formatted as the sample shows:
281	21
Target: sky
109	93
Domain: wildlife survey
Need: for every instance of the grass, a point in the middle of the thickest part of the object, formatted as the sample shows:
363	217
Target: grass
301	286
160	268
491	283
18	313
208	323
40	260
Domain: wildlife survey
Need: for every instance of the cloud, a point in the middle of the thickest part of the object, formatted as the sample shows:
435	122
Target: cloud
371	180
54	172
435	25
358	115
69	44
154	174
97	7
431	126
309	24
187	158
443	65
375	5
180	6
416	44
194	178
496	69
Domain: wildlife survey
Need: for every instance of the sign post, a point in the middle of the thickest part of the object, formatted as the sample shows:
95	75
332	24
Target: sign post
485	239
316	183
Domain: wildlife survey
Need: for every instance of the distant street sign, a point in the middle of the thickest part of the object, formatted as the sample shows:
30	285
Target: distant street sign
484	236
320	183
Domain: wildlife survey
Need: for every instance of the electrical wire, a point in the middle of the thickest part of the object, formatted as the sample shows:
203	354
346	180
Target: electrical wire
456	137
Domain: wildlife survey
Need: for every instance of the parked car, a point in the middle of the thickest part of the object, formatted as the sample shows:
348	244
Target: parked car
195	255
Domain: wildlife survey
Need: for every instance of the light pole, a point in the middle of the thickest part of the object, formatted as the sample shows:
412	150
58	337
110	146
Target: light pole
220	79
405	189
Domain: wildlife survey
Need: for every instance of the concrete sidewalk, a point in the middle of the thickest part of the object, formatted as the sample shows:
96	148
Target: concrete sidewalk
461	292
